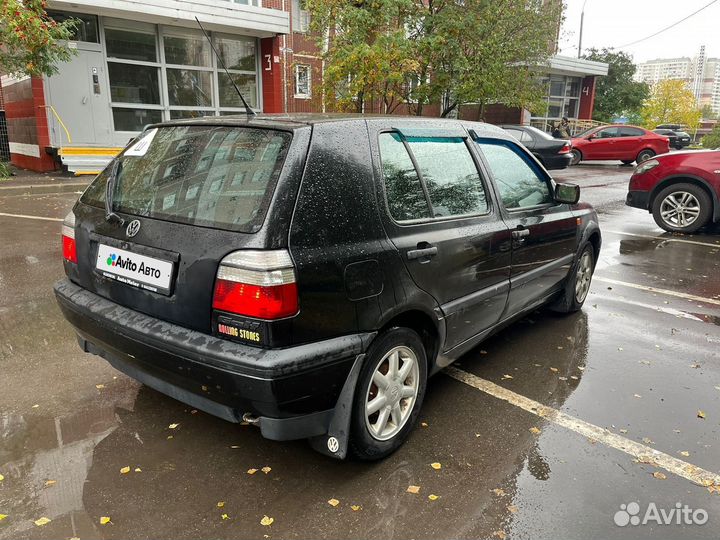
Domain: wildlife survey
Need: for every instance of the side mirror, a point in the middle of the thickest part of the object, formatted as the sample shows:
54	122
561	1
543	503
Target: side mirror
567	193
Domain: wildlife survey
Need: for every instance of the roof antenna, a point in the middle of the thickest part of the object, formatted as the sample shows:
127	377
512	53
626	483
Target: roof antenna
248	110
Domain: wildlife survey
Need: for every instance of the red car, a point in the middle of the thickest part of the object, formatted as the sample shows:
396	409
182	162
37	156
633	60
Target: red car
626	143
682	189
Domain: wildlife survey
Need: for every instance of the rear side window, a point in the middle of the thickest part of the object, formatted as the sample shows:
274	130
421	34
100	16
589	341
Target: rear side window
631	132
518	181
209	176
445	182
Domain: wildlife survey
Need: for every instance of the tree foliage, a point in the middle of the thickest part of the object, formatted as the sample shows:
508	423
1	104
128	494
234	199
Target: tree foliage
671	102
617	94
712	139
436	51
30	41
708	114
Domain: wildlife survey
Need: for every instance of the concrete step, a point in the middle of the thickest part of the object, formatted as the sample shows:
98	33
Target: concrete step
86	160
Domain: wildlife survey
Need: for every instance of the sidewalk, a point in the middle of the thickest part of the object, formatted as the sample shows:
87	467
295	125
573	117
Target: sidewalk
31	182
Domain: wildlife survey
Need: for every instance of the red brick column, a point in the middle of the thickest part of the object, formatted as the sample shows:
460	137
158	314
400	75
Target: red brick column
27	124
587	98
270	68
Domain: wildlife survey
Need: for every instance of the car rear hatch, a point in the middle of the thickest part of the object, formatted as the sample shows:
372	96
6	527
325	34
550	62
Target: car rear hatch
185	197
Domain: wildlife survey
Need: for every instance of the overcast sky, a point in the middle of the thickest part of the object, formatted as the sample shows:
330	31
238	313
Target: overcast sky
614	23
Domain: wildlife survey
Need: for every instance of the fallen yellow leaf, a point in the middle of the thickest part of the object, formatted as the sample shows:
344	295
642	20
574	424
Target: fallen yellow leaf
173	426
221	504
701	414
355	507
554	370
499	492
170	437
413	489
535	430
506	376
333	502
512	509
138	469
125	470
266	521
225	516
42	521
437	466
2	478
2	516
99	386
252	471
50	482
424	424
266	469
433	497
104	520
499	534
684	453
659	475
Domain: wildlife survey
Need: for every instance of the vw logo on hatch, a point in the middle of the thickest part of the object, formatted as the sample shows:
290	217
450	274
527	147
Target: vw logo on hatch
133	228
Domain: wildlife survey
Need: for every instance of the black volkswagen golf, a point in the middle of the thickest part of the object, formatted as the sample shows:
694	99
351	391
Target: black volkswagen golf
309	273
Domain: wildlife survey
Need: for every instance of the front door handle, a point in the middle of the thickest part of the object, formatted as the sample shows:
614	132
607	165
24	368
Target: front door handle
422	253
520	233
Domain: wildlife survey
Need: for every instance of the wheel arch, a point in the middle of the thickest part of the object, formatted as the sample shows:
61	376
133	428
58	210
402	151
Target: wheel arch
427	327
687	179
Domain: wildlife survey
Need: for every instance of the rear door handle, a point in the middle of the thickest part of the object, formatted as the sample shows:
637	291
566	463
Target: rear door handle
424	253
520	233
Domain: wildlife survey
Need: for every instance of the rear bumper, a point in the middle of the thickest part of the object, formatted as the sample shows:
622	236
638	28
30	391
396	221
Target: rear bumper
293	391
638	199
557	161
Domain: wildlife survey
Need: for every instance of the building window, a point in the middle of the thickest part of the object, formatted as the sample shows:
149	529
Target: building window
302	81
86	30
240	57
300	16
128	45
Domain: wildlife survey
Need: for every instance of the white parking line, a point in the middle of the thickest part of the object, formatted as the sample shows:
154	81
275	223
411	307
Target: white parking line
642	453
23	216
663	239
659	291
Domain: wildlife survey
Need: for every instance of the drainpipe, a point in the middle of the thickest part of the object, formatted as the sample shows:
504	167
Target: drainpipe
284	71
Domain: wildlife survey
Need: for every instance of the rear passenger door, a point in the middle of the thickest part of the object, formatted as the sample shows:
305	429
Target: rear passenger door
544	232
629	143
441	218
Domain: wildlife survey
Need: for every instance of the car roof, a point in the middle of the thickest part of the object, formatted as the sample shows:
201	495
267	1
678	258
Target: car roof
301	120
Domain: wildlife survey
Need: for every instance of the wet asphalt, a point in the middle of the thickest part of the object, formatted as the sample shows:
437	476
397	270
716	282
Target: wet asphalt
640	363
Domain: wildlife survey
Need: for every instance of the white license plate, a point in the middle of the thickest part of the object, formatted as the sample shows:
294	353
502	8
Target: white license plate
133	269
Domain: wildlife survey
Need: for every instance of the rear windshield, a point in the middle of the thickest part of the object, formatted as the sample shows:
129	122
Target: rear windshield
210	176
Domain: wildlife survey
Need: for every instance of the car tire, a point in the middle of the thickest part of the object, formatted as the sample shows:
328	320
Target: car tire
576	156
372	437
644	155
695	203
578	282
627	161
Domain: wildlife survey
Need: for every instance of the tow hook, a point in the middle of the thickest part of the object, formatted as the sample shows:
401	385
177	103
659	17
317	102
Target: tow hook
250	419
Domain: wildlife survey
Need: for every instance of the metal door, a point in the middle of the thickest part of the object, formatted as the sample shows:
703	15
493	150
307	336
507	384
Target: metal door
81	99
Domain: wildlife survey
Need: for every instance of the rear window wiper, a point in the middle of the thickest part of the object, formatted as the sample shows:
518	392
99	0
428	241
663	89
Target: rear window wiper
110	215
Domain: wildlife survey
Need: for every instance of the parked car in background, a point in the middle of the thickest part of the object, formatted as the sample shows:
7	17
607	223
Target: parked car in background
681	190
618	141
552	153
678	139
285	271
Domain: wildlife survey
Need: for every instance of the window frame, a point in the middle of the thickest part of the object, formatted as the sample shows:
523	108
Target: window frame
526	157
432	219
300	95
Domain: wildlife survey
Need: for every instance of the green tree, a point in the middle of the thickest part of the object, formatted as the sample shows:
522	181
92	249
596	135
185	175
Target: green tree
712	139
31	43
708	114
617	94
436	51
671	102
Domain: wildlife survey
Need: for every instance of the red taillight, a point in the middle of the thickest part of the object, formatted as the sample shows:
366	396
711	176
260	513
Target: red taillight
258	284
565	149
256	301
69	249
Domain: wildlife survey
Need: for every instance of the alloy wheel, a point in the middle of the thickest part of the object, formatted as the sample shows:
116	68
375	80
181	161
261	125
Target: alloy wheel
392	393
583	277
680	209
